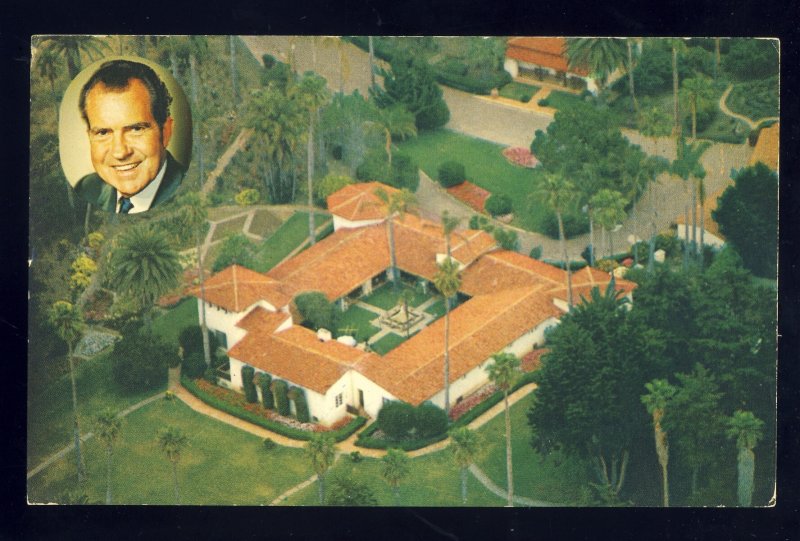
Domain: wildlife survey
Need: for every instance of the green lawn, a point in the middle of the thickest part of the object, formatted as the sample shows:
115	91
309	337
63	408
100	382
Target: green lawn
221	465
519	91
387	343
433	480
289	236
264	223
229	227
533	478
485	166
562	100
171	322
387	296
436	309
359	319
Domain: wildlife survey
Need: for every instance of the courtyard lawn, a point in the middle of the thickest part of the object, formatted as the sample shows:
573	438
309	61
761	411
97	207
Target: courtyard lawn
264	223
358	319
229	227
293	233
519	91
221	465
387	296
485	166
533	477
562	100
387	343
436	309
171	322
433	480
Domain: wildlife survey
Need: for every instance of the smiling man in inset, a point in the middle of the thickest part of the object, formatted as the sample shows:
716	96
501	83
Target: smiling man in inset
126	109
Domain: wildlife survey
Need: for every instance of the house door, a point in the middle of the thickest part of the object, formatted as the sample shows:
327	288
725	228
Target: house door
360	398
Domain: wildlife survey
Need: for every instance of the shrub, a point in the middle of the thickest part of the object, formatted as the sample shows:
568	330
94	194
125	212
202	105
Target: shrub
481	222
248	372
236	249
430	420
405	173
607	265
544	102
140	362
265	382
355	456
375	166
453	66
316	310
498	204
330	184
297	395
575	224
472	84
451	173
279	390
248	196
396	419
269	445
750	58
536	252
193	365
210	375
506	239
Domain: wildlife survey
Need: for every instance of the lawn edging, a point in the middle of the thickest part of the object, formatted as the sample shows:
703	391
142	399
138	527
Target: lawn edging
287	431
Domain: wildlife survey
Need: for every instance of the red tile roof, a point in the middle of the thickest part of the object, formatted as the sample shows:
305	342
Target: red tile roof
767	147
360	201
236	288
261	320
545	52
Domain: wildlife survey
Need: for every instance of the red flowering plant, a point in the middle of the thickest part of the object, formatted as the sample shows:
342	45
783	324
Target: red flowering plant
520	156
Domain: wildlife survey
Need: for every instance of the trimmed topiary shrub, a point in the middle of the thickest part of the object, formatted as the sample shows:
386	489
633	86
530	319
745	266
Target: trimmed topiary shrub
279	390
396	419
248	196
507	239
544	102
430	420
498	204
451	173
265	382
296	395
405	173
248	372
536	252
193	365
269	445
316	310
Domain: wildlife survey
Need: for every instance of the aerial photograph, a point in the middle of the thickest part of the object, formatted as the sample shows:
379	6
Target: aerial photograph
472	271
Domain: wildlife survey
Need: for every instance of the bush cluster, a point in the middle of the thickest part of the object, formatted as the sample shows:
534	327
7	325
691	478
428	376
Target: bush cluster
279	392
141	360
191	342
402	421
317	311
498	204
472	84
403	173
248	373
575	224
451	173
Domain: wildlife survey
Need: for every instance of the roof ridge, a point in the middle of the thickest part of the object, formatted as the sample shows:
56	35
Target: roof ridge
235	290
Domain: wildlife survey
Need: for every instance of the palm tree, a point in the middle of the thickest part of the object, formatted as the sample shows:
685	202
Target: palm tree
394	121
629	69
449	224
601	55
344	61
609	212
396	465
406	296
689	167
697	92
145	266
398	204
371	62
197	50
67	320
747	429
106	428
558	193
659	394
71	47
503	372
172	441
678	46
321	451
447	280
464	445
234	91
194	213
313	94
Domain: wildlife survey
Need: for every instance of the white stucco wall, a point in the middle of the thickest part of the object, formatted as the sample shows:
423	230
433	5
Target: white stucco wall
709	239
220	320
374	394
343	223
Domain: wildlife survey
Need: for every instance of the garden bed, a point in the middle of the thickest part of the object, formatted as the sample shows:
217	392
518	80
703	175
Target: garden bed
470	194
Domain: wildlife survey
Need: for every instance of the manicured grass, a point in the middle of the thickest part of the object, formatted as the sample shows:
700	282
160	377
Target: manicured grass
50	408
289	236
169	324
387	296
436	309
433	481
221	465
264	223
533	478
229	227
358	318
387	343
519	91
485	166
562	100
755	99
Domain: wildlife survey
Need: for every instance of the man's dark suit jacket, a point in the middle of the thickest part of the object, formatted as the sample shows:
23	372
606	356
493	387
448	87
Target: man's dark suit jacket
94	190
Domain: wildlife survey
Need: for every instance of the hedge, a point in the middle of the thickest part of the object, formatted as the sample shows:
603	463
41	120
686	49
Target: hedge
279	428
279	390
362	42
248	372
451	173
472	84
491	400
573	265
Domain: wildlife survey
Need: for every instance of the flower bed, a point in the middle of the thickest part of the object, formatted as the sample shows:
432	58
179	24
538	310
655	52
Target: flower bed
520	156
469	193
94	342
235	404
471	401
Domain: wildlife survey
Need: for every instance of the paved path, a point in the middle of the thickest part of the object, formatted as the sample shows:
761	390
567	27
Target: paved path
723	105
85	437
520	500
225	159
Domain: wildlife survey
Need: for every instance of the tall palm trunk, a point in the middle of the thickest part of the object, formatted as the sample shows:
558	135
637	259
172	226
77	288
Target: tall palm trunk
310	153
393	260
509	472
388	135
175	482
371	62
662	450
321	488
630	77
701	193
109	455
75	425
86	219
746	467
447	356
686	238
234	93
675	107
196	137
463	485
203	325
694	217
567	266
591	239
716	57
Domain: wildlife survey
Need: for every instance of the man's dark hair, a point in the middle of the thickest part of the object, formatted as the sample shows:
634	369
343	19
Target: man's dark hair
117	74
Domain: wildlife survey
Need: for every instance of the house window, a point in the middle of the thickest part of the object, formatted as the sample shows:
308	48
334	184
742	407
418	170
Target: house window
338	400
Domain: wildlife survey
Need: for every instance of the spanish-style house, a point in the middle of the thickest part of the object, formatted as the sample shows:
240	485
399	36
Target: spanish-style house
545	58
508	302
